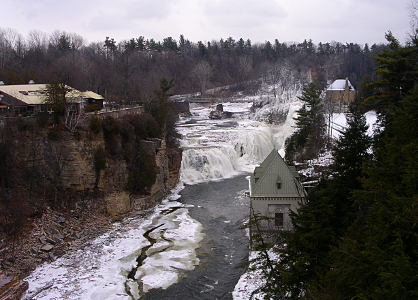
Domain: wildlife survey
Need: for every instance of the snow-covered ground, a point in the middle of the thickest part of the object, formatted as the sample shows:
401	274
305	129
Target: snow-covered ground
100	270
340	122
249	282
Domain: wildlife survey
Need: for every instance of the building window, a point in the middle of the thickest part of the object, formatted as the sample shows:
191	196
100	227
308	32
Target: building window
278	220
279	182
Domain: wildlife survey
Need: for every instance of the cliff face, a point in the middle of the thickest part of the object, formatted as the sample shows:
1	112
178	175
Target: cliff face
68	164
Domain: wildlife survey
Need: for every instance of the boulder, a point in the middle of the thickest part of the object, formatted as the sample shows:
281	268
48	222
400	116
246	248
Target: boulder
47	248
216	115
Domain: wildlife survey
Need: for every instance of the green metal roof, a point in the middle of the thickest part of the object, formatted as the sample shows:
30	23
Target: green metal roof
273	170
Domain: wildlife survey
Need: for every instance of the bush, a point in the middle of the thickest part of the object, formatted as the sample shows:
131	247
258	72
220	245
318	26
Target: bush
41	119
142	172
77	135
95	125
22	124
110	133
141	126
99	159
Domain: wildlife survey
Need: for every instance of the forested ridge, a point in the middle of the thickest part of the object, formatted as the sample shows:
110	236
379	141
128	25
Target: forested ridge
356	236
128	72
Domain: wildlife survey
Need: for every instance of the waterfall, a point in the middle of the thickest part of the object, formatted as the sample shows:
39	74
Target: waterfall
220	149
225	153
201	164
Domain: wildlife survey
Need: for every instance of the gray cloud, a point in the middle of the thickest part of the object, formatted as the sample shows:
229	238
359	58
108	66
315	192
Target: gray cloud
244	13
320	20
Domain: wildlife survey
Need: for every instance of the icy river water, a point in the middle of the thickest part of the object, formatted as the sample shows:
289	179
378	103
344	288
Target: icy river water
221	207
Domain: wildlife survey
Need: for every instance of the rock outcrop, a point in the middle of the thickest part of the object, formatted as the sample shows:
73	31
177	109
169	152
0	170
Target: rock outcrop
69	163
117	202
219	113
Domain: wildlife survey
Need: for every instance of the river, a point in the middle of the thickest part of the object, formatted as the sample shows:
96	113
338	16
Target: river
222	208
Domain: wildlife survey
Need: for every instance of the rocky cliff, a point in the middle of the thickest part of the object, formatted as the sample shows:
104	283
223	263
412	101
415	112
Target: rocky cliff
67	163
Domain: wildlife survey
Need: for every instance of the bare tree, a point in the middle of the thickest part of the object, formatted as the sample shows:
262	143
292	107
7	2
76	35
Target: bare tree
37	40
56	158
245	65
203	73
10	45
63	41
413	15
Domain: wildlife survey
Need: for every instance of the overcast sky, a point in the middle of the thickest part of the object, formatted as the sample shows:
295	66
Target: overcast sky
358	21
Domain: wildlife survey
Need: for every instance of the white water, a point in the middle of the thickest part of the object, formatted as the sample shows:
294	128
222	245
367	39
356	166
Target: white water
224	148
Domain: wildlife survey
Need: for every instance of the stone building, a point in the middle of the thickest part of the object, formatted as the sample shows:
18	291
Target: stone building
339	95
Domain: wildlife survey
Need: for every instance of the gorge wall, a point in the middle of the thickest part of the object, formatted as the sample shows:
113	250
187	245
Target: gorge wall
65	165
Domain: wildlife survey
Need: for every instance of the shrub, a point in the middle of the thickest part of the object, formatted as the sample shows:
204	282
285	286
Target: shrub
110	133
41	119
99	159
142	172
95	125
22	125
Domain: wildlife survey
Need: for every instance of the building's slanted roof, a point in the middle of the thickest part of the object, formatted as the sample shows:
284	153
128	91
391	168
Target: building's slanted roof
91	95
33	94
340	84
28	93
273	170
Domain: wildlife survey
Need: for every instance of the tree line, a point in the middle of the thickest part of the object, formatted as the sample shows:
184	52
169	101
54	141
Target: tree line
128	71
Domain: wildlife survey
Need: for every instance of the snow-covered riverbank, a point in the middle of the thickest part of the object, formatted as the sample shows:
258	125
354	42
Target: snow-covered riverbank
100	270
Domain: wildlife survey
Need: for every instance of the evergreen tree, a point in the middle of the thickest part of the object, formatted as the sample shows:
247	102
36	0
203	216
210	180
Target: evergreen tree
377	258
397	72
56	99
352	148
323	220
308	138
